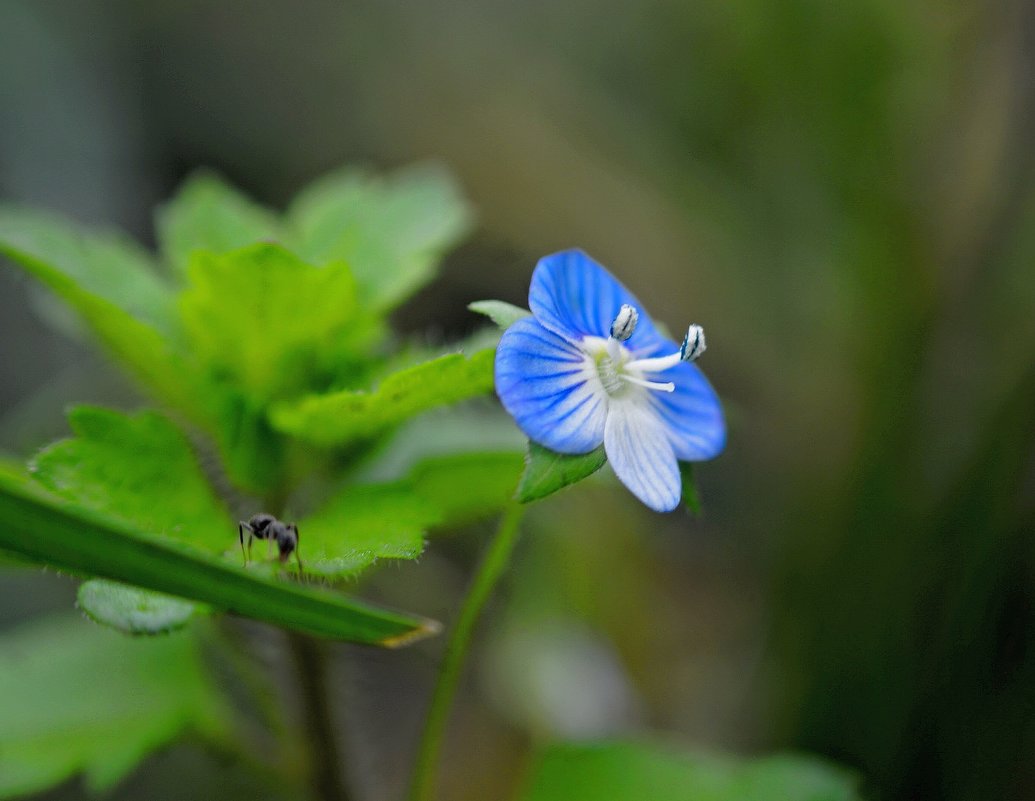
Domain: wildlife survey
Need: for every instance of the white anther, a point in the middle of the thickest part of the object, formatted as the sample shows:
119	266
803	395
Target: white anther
693	344
625	323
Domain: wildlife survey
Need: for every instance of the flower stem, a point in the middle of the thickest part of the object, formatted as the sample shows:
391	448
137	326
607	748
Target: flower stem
488	573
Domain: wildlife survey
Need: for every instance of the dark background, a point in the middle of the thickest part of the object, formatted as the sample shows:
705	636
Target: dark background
841	193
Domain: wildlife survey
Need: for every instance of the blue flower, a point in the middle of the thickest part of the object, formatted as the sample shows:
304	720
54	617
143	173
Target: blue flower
589	367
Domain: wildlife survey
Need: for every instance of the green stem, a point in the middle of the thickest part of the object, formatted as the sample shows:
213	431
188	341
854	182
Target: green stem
485	578
224	638
325	771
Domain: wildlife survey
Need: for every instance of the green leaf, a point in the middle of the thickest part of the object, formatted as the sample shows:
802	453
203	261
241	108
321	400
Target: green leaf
68	537
691	498
208	214
465	428
14	469
81	699
340	417
140	470
252	453
502	313
139	474
262	320
365	523
14	472
630	771
547	471
106	265
132	610
145	352
468	486
391	231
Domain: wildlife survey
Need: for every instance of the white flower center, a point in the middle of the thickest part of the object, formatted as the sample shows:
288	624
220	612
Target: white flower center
616	366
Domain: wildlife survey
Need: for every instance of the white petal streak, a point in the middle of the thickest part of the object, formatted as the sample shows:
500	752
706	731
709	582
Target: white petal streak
550	388
639	450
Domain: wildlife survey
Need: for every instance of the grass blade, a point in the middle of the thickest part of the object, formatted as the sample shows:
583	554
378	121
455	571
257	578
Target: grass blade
72	539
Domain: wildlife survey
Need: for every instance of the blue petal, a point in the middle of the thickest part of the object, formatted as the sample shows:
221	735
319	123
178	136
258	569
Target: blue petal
692	414
542	382
575	297
639	450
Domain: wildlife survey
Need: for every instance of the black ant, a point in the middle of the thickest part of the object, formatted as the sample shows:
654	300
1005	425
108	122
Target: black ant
267	527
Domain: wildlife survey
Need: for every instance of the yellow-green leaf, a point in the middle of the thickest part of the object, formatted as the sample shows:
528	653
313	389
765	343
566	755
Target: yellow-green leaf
266	322
101	263
142	349
208	214
390	230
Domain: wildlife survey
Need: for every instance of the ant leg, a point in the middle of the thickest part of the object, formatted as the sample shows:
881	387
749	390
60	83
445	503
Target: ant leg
241	526
298	558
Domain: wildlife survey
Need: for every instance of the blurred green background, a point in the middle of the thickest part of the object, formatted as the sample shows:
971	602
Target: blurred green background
841	193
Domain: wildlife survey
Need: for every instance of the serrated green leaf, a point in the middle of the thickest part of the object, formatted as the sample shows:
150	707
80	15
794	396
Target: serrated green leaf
390	230
132	610
81	699
138	469
362	525
691	498
546	472
365	523
337	418
500	312
252	453
104	264
146	353
634	771
208	214
264	321
39	526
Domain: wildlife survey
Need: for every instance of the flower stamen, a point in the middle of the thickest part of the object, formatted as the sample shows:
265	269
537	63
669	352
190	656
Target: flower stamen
693	343
692	347
625	323
663	386
655	364
616	366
